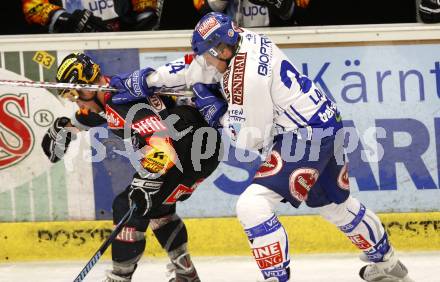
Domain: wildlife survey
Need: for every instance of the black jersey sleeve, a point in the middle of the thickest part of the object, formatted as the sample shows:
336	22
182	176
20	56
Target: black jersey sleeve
85	119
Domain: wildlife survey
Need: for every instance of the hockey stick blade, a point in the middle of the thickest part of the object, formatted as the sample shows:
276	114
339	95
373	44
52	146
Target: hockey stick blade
89	87
91	263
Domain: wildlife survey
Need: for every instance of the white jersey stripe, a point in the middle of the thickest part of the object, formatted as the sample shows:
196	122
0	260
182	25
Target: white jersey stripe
298	114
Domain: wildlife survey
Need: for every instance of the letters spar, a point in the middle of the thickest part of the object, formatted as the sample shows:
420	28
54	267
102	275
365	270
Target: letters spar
264	58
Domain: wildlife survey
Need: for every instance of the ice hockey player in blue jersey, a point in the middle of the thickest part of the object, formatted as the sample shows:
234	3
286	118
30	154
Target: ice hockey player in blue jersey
268	107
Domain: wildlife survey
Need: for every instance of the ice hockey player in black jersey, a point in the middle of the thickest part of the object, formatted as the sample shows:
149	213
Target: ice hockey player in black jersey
167	173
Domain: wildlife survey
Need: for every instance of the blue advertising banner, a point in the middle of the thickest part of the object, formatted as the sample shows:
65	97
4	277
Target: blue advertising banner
114	173
390	94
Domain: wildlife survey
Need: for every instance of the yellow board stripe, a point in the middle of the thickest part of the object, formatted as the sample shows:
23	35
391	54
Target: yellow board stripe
208	236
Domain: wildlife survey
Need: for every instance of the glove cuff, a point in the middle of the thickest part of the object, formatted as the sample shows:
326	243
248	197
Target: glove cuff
137	83
63	121
54	20
144	15
60	128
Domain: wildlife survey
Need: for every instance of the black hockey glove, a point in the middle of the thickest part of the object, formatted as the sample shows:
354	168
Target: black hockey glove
142	193
282	8
57	139
429	11
206	6
80	21
146	21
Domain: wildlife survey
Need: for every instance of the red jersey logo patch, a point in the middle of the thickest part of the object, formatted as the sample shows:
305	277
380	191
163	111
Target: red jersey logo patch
156	103
189	58
181	190
226	84
271	166
238	78
114	120
207	27
360	241
343	181
268	256
127	234
148	125
301	181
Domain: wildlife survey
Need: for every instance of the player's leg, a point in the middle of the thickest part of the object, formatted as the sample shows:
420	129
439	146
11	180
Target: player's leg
169	228
129	245
267	237
366	232
171	233
277	180
361	226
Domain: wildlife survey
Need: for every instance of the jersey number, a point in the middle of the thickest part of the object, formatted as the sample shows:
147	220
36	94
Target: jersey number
176	67
304	82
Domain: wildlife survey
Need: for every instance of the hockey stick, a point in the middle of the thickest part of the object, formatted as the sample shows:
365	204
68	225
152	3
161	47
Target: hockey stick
91	263
90	87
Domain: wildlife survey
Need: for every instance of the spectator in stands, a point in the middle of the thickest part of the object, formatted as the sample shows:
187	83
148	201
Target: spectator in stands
255	13
91	15
12	20
349	12
429	11
178	14
313	12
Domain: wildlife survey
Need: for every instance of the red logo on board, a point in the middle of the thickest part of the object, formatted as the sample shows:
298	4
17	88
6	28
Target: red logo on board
16	137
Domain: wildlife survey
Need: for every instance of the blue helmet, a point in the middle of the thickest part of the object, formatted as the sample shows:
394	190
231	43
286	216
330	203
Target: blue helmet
214	28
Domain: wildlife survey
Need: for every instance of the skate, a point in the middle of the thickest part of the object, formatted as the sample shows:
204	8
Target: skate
111	277
389	270
271	279
120	272
182	269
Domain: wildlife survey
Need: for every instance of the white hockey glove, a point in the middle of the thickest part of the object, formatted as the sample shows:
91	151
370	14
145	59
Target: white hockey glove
142	192
57	139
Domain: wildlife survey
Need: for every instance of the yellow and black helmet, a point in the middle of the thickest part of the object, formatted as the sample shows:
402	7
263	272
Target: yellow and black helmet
77	68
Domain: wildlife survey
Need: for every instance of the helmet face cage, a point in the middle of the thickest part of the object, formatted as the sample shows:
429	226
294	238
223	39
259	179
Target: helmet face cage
76	68
214	28
70	94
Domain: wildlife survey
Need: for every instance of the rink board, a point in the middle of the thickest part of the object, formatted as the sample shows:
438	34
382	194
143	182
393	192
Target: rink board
208	237
390	92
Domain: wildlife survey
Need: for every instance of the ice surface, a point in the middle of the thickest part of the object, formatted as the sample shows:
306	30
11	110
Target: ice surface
423	267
